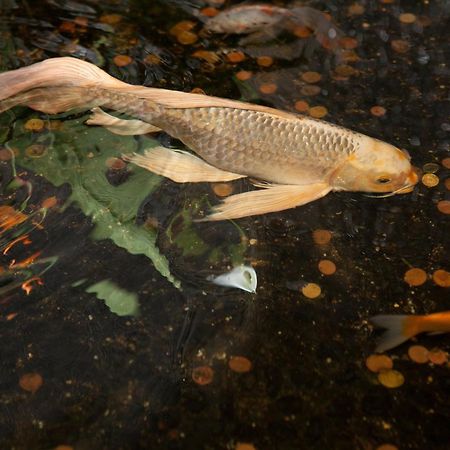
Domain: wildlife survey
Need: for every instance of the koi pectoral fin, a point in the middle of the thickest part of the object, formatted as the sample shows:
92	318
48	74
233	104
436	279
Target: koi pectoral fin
180	166
270	199
120	126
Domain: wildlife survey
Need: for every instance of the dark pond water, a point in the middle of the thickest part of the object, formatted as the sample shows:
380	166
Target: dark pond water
111	335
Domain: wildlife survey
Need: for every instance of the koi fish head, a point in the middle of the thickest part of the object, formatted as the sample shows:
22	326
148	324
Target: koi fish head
375	167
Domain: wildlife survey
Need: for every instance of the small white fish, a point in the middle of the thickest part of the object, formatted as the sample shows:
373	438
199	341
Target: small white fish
242	277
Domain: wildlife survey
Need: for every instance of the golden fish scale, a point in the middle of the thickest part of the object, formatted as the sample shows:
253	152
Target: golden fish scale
260	144
254	143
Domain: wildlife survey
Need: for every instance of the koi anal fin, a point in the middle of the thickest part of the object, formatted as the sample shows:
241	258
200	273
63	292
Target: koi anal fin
179	166
272	198
120	126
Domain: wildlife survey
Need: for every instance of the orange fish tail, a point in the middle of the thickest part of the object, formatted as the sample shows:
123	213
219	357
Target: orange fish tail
399	328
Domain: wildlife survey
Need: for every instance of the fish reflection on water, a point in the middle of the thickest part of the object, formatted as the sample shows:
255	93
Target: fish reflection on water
401	328
299	159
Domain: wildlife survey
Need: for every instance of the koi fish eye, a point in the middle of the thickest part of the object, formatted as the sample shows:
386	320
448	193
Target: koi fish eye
383	180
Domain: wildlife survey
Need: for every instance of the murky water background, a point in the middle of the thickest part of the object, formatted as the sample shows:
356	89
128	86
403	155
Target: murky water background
111	335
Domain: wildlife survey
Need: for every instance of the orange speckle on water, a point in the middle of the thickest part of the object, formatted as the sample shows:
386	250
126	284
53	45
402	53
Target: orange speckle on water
430	167
446	163
310	90
391	378
327	267
321	237
318	112
301	106
441	278
184	25
115	163
264	61
430	180
222	189
187	37
31	382
444	206
415	277
377	363
153	59
63	447
209	11
67	27
244	446
11	316
311	290
387	447
55	125
311	77
81	21
36	150
268	88
202	375
111	19
400	45
418	354
348	43
240	364
407	18
438	357
198	90
345	70
377	111
235	57
356	9
122	60
244	75
301	31
206	55
5	154
49	202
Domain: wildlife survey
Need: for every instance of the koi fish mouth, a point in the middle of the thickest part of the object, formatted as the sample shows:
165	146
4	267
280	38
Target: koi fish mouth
411	180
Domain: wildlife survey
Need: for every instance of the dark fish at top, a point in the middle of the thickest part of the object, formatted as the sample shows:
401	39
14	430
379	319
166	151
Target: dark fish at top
263	22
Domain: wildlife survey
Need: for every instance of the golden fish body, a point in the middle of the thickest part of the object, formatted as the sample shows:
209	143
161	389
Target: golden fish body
272	145
261	145
303	158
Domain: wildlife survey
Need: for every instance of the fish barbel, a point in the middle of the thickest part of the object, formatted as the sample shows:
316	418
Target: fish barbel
300	159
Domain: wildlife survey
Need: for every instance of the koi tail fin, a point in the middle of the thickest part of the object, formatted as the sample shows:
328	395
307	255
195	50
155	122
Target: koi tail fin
53	72
400	328
52	100
61	84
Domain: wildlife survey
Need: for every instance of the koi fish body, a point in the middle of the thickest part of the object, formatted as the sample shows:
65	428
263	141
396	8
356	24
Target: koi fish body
302	159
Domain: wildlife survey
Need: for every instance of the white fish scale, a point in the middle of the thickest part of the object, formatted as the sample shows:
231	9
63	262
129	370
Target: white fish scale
258	143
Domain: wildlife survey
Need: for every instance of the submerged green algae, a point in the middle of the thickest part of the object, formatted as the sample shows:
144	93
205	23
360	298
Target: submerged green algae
77	154
118	300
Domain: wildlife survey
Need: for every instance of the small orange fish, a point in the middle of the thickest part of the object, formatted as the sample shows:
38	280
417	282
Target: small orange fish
400	328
